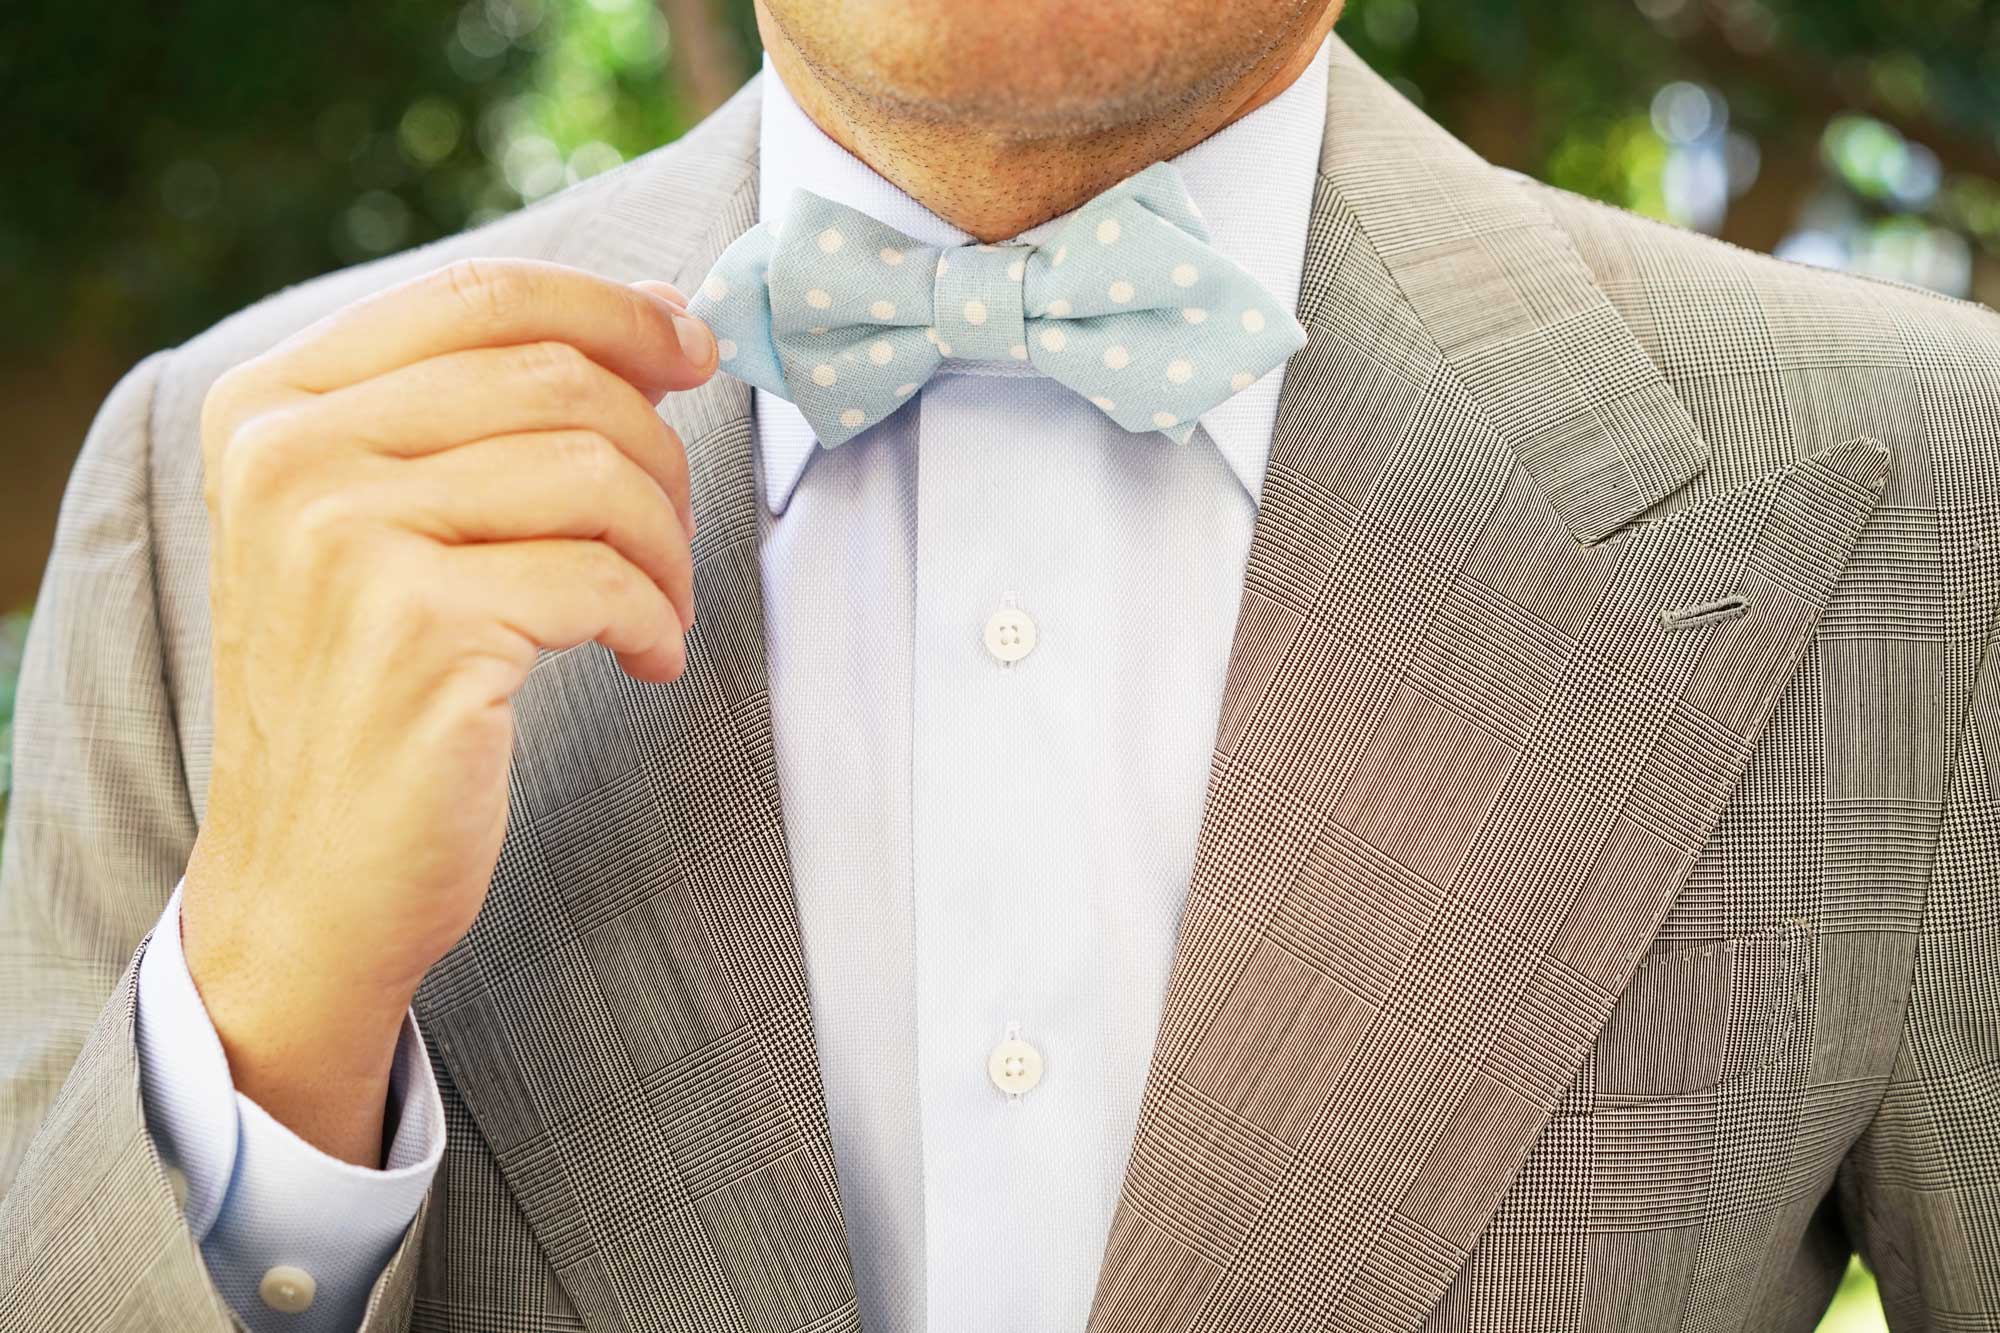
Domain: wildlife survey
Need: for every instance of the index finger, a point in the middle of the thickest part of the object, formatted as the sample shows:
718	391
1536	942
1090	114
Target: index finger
642	338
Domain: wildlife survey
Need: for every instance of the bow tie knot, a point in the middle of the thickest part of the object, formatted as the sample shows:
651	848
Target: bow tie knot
1127	304
980	303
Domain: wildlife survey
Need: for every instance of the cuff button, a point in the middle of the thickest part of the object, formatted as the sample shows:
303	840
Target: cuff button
288	1290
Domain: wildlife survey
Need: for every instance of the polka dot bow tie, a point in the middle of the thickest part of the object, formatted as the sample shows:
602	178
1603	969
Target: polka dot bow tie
1127	305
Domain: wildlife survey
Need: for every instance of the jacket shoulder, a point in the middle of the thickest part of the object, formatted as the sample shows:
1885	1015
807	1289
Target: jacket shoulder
1776	359
1825	314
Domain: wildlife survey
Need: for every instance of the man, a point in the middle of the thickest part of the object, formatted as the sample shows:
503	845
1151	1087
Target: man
1484	821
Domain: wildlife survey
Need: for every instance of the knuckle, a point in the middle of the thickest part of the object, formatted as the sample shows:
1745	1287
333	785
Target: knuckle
402	611
226	401
233	398
588	456
258	458
328	516
558	368
607	572
483	288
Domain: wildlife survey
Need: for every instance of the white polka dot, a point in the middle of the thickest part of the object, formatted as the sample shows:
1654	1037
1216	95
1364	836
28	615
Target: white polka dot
881	351
1062	253
725	348
1193	314
905	390
818	299
1253	321
1015	270
890	255
1054	340
715	288
853	416
883	310
1059	309
975	311
1104	404
1180	372
1241	380
1185	275
1107	231
1116	357
944	349
1119	291
823	375
1019	351
817	330
831	240
1165	420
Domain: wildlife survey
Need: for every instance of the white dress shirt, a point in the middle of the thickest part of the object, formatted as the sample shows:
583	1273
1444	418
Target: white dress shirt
997	628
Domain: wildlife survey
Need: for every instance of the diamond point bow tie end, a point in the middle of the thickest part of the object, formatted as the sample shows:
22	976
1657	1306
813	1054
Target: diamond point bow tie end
1126	304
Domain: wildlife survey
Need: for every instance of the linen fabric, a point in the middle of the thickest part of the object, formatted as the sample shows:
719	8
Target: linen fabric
848	317
1551	957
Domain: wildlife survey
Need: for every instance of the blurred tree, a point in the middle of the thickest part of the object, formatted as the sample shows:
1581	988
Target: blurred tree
192	157
1858	133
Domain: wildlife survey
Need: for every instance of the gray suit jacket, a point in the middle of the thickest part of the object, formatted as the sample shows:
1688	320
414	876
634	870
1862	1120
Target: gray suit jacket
1596	922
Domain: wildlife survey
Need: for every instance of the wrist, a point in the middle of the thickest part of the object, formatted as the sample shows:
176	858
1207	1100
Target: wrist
309	1044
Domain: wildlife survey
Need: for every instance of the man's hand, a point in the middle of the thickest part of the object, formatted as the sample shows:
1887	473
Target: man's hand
408	499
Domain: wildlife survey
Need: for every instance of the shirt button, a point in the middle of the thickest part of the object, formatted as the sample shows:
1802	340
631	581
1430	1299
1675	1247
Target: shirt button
288	1290
1014	1066
1010	634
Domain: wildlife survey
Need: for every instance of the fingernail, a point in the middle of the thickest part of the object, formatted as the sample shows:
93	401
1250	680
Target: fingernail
697	343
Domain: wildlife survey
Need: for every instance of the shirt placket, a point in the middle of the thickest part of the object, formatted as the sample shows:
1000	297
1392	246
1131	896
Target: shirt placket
1005	1022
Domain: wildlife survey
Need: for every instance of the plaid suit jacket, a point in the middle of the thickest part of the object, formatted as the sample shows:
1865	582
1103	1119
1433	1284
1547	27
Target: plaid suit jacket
1596	921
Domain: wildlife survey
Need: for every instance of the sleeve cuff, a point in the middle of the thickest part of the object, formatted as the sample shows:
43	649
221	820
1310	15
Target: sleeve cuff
258	1196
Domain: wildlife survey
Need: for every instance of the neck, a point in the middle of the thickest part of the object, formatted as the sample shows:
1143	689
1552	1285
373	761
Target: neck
994	186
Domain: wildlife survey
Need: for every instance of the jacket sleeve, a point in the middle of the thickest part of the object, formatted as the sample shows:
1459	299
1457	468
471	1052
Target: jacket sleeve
99	827
1921	1191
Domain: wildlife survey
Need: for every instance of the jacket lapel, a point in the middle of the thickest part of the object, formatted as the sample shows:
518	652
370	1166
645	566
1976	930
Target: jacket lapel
628	1019
1463	765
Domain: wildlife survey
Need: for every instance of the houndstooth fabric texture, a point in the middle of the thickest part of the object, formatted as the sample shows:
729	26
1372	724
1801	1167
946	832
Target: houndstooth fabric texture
1596	923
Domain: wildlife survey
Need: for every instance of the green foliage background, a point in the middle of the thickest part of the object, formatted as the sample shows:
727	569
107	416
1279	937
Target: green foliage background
174	162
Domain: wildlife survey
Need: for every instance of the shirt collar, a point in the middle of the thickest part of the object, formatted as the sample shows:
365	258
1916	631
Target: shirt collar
1252	181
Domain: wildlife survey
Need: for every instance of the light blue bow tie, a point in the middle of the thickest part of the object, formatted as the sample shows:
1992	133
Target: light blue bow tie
1128	305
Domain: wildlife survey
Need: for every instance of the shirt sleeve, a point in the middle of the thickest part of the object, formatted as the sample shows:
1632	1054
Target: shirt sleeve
293	1238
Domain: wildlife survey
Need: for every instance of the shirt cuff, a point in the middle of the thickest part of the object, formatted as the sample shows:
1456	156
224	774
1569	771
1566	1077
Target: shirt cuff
257	1196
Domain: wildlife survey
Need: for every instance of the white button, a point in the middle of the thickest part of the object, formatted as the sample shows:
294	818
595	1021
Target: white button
1010	635
288	1290
1014	1066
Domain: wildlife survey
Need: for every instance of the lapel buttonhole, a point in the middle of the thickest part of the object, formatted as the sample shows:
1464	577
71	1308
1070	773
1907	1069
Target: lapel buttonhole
1703	613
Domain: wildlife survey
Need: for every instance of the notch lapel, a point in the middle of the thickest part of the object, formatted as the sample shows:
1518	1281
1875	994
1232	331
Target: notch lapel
1463	765
628	1019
